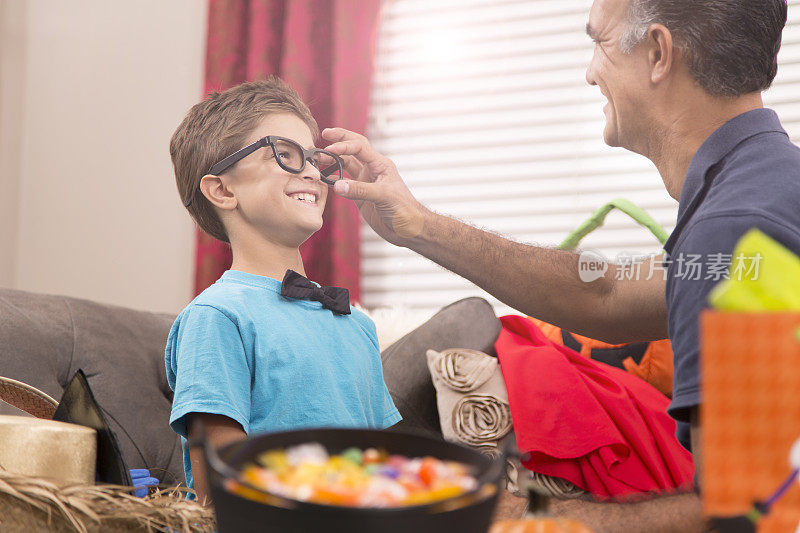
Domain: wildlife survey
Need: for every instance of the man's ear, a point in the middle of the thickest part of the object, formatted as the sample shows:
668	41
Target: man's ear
661	52
217	192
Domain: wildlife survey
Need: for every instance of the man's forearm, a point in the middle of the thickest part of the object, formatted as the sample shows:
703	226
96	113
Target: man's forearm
681	513
541	282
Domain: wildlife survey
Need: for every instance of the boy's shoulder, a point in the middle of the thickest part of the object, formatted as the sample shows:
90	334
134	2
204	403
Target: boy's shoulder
220	294
361	317
365	322
229	299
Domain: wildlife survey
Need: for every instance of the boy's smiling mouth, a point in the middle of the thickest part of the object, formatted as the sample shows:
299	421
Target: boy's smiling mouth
309	198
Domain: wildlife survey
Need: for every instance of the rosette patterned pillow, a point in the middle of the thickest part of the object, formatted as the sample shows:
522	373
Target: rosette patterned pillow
473	409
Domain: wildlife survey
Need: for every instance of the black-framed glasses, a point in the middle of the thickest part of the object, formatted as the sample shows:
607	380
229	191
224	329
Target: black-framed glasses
290	156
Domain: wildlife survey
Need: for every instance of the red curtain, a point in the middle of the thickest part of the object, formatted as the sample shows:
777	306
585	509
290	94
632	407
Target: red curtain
324	50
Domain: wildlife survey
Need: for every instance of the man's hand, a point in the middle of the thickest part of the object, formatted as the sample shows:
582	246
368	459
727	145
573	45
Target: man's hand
679	513
378	190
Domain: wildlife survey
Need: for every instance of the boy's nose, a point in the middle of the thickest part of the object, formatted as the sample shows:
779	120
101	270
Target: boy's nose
311	172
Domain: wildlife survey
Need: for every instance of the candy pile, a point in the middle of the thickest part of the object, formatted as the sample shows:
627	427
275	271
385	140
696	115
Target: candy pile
355	478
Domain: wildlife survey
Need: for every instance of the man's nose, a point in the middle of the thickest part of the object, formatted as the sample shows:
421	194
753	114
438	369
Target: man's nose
590	75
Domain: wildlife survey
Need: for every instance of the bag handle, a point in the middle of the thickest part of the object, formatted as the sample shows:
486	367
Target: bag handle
27	398
598	218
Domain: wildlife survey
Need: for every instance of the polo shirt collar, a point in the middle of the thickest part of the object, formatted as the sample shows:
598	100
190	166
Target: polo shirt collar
712	151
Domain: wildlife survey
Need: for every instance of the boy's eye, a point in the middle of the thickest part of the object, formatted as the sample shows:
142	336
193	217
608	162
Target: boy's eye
284	155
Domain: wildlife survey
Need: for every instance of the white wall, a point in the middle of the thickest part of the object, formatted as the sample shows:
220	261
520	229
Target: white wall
91	92
12	54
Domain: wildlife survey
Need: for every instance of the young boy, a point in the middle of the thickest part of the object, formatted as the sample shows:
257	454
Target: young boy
243	357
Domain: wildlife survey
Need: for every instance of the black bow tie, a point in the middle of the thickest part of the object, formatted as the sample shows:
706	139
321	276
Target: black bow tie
297	286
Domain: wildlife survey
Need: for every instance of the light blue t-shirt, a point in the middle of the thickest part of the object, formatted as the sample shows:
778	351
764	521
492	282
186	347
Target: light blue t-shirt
271	363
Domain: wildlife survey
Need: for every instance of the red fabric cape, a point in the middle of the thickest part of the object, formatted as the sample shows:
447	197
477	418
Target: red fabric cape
599	427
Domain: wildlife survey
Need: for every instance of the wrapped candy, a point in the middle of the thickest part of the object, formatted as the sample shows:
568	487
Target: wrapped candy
356	478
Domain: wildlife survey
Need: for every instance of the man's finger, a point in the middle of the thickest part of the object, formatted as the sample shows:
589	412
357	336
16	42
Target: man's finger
357	190
339	134
364	152
356	147
333	134
325	159
352	166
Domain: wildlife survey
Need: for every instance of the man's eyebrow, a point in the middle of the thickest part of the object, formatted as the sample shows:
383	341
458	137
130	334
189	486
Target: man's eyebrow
591	31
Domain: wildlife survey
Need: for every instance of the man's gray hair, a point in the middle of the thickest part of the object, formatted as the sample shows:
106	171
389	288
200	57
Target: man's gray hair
729	46
641	14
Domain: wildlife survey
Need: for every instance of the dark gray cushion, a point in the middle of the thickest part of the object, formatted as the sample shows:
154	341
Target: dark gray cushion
44	340
468	323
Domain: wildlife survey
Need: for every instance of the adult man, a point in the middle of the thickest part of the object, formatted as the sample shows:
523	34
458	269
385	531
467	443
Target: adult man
683	79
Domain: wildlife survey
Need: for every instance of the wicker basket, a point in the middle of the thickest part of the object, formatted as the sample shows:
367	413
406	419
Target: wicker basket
32	504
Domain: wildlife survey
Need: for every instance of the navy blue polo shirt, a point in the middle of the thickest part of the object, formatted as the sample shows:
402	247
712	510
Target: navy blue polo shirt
745	175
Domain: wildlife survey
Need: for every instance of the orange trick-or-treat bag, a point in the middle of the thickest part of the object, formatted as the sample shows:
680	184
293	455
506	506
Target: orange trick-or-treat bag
750	414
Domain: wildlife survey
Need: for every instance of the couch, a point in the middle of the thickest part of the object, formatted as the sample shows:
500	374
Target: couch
45	339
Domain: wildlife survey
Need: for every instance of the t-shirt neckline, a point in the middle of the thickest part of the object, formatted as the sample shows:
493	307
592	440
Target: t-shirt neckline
264	282
255	280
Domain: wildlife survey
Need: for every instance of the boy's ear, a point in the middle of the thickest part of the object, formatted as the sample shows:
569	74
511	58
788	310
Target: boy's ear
217	192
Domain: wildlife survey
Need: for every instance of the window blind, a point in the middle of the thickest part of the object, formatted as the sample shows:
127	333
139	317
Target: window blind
484	107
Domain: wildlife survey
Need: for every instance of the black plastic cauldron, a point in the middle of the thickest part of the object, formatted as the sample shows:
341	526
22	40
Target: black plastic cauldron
467	513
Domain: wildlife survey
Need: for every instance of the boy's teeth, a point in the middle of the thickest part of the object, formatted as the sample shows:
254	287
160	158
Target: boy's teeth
304	197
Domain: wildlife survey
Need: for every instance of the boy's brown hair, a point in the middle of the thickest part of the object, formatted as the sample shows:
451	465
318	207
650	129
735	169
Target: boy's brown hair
217	127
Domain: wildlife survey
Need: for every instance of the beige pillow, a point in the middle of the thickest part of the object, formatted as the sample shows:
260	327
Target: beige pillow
473	409
469	323
471	397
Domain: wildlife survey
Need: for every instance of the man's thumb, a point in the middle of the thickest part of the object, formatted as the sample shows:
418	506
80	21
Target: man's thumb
355	190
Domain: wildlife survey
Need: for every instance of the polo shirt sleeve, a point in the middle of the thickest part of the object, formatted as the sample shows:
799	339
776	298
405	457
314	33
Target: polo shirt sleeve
207	367
706	238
